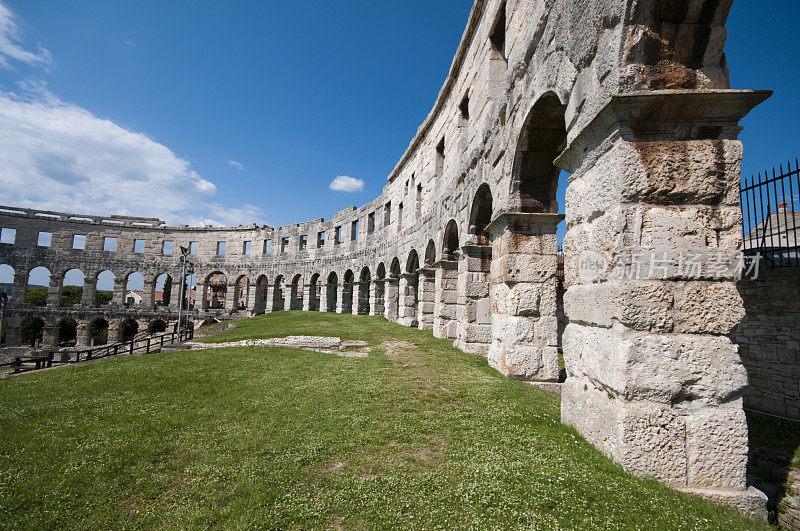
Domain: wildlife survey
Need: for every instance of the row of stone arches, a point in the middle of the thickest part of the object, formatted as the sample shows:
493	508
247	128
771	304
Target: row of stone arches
39	287
38	332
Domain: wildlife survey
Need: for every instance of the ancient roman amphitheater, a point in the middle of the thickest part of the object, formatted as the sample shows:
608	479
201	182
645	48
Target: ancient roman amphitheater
632	99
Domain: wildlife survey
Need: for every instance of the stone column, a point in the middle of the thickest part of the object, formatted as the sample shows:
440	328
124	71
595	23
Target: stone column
407	293
473	314
654	229
444	309
356	298
376	289
50	335
340	297
119	292
113	331
83	339
426	295
269	299
323	298
204	302
391	299
251	300
13	329
174	297
148	293
523	283
230	298
89	290
309	291
54	292
20	287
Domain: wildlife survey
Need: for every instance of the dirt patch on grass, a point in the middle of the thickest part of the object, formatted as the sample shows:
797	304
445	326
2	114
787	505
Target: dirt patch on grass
397	349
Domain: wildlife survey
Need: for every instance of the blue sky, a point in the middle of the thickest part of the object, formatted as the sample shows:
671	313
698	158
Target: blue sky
248	110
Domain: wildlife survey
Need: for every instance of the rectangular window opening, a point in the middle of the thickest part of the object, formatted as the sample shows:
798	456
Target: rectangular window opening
419	200
498	34
371	223
109	244
321	240
440	158
166	247
267	246
79	242
337	236
138	246
221	248
387	214
8	236
247	248
194	248
354	231
303	242
284	245
464	108
45	239
399	217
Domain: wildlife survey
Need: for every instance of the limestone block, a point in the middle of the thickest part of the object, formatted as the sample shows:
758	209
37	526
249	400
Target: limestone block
752	502
546	329
525	362
661	368
716	447
512	242
708	308
523	268
518	299
652	442
513	330
645	306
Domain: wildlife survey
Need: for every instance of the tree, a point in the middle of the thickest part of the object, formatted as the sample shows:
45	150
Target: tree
167	293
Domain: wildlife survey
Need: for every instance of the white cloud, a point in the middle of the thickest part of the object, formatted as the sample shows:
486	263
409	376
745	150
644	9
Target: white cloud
58	156
130	43
238	165
344	183
10	45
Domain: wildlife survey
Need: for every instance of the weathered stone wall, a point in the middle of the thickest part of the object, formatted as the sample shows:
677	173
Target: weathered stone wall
769	341
632	98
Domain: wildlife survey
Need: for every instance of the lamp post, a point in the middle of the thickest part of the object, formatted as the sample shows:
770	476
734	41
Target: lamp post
190	271
3	299
184	252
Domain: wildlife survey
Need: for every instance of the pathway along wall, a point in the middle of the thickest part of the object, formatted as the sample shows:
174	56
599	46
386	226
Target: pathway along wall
632	98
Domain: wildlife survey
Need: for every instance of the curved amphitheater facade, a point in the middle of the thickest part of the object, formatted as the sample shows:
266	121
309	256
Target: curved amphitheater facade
632	98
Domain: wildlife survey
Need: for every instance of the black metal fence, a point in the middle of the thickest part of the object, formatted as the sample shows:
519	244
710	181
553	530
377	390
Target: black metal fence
770	213
144	345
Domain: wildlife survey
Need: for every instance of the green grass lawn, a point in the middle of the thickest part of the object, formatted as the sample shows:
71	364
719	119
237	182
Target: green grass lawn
418	435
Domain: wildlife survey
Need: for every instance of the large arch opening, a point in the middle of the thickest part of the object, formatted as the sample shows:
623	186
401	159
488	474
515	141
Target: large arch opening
67	330
38	286
347	292
262	291
450	242
481	215
98	332
104	292
162	290
277	295
314	293
363	291
134	289
534	181
330	292
158	326
242	292
296	297
128	330
216	289
32	331
72	287
6	280
430	254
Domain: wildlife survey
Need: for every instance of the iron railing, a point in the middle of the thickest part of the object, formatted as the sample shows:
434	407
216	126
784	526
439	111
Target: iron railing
770	216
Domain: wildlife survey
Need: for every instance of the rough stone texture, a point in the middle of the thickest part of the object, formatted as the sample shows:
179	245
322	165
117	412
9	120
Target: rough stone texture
769	341
629	96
